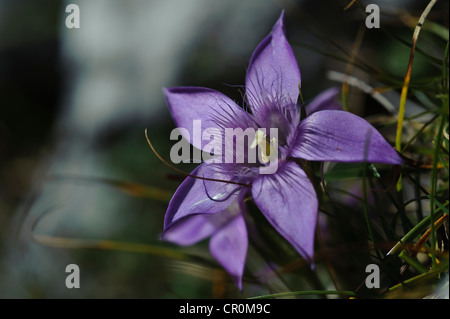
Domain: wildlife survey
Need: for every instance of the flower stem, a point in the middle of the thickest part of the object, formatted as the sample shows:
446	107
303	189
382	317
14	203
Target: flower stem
100	244
433	186
306	293
366	213
407	79
412	262
419	278
413	233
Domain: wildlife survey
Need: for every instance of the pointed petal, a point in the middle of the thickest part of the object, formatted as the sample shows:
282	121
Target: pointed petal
229	246
212	108
288	200
198	196
339	136
324	101
273	72
191	229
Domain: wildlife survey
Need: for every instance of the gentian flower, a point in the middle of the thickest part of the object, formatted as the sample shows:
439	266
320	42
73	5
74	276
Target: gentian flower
209	207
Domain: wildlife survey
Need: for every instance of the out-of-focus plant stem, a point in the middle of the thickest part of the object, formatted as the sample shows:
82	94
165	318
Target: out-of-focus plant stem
407	79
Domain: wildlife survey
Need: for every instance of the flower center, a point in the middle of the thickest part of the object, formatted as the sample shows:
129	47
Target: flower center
266	145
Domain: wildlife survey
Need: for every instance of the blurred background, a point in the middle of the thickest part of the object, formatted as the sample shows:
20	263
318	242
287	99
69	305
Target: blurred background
75	167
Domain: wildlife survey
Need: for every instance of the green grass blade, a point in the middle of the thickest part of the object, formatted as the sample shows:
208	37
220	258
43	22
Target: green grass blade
306	293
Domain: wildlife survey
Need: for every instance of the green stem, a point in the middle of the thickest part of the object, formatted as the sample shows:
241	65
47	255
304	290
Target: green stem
305	293
445	70
100	244
417	279
413	233
437	148
412	262
407	79
366	213
418	132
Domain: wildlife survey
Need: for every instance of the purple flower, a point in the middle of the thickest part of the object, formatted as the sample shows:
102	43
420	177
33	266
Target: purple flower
202	208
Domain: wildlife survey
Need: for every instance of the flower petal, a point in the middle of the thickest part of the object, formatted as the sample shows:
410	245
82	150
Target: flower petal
324	101
339	136
273	71
212	108
229	246
191	229
199	196
229	241
288	200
